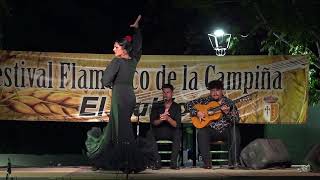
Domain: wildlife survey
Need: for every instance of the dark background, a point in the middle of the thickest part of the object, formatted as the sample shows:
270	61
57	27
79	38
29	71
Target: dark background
64	138
170	27
91	27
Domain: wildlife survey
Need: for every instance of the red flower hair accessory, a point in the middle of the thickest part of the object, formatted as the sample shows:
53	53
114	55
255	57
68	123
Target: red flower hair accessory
128	38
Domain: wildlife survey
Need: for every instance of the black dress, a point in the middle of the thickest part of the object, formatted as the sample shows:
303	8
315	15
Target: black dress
116	148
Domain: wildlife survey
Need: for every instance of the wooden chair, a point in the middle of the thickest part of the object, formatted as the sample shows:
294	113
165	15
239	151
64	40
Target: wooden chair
219	152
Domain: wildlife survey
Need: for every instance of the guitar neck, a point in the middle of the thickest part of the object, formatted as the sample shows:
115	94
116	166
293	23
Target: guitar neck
244	98
237	100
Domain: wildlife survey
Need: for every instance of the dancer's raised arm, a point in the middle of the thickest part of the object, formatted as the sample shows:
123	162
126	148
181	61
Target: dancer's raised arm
137	40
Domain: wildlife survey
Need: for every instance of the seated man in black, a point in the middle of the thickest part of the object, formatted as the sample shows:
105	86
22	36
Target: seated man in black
165	120
221	129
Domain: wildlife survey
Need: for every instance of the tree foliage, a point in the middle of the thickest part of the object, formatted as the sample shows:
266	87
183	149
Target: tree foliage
275	27
292	28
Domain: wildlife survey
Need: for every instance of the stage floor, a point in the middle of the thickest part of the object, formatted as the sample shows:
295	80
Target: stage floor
85	173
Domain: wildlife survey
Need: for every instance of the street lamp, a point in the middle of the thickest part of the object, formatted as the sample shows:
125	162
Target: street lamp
220	41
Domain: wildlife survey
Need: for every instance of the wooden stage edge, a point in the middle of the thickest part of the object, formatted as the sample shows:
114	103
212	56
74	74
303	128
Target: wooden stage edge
85	172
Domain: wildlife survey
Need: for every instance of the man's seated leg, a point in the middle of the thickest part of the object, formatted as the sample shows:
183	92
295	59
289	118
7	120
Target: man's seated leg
151	136
176	144
204	147
234	146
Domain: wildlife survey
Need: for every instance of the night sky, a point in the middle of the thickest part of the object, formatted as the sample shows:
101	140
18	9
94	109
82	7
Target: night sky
169	27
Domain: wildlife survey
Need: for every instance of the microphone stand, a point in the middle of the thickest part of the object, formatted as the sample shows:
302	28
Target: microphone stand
138	124
137	112
8	170
136	108
234	142
236	165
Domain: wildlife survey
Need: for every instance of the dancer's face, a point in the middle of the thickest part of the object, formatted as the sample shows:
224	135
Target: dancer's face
118	50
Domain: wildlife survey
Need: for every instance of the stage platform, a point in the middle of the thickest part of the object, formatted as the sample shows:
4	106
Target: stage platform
86	173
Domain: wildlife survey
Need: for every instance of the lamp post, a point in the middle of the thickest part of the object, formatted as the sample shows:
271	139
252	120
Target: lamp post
220	41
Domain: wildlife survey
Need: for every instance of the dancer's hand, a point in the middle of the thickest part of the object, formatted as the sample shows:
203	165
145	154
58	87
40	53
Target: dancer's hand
136	23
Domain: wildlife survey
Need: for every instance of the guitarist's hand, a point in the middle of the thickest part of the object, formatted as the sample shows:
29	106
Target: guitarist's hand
201	115
225	109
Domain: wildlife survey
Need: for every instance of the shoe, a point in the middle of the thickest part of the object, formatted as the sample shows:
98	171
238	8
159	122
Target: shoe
234	166
95	168
156	166
126	170
175	167
137	170
207	166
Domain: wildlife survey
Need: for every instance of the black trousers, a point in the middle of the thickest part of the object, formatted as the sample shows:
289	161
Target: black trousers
208	134
165	133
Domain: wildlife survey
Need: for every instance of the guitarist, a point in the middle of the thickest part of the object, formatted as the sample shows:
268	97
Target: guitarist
221	129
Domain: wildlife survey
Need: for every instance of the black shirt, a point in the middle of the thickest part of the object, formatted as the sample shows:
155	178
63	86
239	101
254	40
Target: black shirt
174	111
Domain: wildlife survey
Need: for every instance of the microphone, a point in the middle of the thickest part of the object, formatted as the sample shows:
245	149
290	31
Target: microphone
161	101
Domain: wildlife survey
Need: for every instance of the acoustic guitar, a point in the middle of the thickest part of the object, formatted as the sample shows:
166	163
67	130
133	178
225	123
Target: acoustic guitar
213	111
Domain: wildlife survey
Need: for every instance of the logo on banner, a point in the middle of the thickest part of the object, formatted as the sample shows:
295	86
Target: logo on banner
271	109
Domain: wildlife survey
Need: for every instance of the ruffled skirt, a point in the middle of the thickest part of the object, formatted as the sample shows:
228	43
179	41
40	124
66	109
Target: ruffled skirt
127	156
